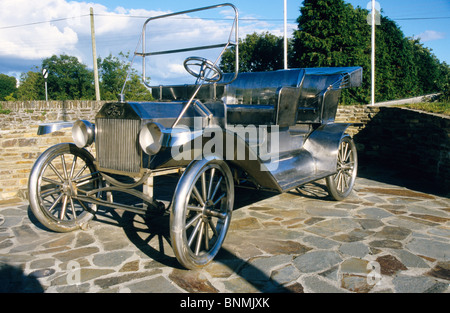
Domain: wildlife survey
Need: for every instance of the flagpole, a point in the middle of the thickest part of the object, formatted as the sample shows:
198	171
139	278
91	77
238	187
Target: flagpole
373	53
285	36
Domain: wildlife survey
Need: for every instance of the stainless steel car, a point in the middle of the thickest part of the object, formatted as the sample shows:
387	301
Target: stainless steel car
272	130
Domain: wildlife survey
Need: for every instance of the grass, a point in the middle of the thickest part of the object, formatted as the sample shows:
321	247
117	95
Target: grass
431	107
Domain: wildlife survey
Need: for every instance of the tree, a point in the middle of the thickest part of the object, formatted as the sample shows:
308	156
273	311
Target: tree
396	72
7	87
68	79
429	69
257	53
444	82
31	86
113	74
331	33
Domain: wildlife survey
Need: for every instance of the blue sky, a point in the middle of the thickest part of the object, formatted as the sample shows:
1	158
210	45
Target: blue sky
33	30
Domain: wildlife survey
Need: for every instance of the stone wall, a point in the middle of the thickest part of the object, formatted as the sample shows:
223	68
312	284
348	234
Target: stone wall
411	140
19	144
414	142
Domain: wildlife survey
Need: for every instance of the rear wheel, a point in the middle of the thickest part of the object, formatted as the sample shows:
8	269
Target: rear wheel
58	176
341	184
201	212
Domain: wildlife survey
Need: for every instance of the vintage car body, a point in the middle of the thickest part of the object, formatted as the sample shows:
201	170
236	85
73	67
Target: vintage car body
273	129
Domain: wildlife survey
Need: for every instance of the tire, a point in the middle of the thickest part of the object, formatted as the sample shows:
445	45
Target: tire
58	175
340	185
201	212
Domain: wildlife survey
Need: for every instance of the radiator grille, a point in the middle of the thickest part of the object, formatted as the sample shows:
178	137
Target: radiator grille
117	145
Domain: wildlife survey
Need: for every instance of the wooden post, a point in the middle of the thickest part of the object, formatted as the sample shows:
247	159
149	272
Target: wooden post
94	56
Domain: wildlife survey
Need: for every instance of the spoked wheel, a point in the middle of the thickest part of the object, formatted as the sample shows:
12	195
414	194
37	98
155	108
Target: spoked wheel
58	176
201	212
341	184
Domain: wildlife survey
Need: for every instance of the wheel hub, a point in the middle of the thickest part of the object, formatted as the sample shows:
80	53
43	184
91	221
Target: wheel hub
69	188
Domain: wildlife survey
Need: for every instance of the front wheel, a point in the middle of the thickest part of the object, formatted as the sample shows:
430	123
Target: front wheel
341	184
201	212
60	174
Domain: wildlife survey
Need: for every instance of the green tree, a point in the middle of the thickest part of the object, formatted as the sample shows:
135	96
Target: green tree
428	67
444	82
257	53
31	86
8	87
113	72
135	90
396	73
331	33
68	79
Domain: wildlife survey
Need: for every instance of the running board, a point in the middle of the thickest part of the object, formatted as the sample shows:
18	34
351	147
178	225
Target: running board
293	170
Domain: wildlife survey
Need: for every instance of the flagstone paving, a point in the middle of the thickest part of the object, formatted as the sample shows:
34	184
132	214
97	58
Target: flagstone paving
383	238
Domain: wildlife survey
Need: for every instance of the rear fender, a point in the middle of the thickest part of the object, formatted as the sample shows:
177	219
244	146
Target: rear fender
323	144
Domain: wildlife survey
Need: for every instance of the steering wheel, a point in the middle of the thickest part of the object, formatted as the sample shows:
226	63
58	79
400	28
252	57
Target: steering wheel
203	69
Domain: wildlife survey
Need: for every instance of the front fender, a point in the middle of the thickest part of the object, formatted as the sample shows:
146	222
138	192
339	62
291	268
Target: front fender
47	128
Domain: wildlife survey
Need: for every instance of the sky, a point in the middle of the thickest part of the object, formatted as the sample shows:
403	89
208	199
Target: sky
31	31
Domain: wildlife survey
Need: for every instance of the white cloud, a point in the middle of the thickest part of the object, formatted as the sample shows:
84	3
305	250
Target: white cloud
430	35
34	40
37	29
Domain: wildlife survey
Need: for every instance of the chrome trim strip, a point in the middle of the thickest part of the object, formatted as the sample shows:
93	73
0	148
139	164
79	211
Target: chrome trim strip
47	128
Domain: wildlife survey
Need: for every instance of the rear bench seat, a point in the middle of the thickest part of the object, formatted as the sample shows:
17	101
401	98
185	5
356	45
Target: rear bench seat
263	98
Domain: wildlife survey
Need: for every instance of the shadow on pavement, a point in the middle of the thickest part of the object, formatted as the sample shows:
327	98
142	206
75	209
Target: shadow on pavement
401	177
13	280
151	235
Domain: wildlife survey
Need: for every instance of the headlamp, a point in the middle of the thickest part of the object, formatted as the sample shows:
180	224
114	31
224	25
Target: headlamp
83	133
150	138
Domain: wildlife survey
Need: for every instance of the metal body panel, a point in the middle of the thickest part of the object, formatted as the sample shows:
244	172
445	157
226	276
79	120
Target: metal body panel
321	90
261	88
307	161
305	153
323	145
303	156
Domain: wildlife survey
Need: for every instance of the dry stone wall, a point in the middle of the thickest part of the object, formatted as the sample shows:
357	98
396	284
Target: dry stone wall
415	141
19	144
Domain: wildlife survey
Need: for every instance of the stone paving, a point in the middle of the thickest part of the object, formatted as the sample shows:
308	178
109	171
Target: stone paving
383	238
